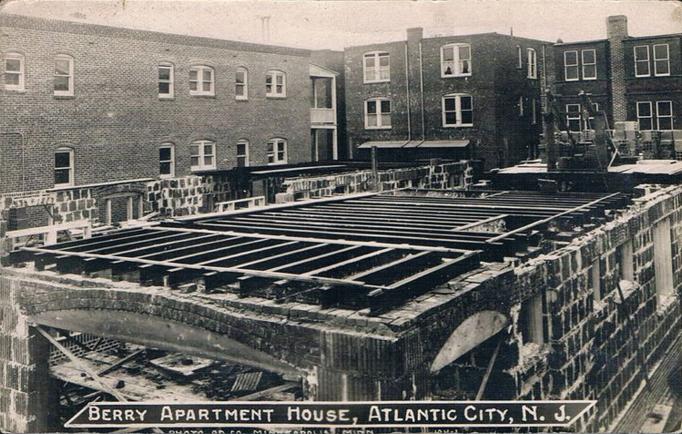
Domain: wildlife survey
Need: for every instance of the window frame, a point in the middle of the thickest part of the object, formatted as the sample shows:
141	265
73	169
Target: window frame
70	91
244	85
642	61
379	113
276	141
273	93
200	80
521	107
171	161
170	80
457	62
667	60
202	155
519	53
376	55
13	55
458	110
658	116
583	63
70	167
245	155
532	66
650	117
533	112
576	66
578	119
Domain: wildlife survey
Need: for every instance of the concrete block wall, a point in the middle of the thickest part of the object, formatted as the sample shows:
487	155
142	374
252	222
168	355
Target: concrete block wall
439	176
177	196
25	396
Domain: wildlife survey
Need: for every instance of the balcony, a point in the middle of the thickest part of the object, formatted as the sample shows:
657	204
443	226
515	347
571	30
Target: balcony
323	116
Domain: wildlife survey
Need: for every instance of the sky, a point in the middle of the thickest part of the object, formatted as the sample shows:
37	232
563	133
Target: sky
337	24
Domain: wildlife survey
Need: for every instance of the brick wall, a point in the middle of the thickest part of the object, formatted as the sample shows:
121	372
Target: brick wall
499	134
115	122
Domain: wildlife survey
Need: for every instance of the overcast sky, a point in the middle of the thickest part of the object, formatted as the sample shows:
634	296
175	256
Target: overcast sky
336	24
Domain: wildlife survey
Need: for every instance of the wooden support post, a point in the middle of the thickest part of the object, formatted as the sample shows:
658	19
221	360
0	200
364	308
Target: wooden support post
489	369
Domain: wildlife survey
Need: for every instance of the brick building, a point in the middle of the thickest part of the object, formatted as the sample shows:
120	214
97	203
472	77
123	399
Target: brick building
87	104
630	78
459	96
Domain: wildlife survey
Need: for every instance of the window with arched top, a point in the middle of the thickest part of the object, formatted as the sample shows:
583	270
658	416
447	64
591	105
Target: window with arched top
241	83
63	167
166	80
376	67
377	113
532	63
455	60
63	75
275	84
14	71
242	153
166	160
201	80
202	155
277	151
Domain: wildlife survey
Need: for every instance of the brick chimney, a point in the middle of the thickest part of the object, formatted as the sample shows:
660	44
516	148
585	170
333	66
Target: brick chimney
616	31
414	39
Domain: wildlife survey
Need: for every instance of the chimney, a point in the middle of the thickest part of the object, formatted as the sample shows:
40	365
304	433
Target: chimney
616	31
415	34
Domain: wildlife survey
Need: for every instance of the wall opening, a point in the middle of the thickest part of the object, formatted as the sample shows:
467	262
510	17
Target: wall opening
530	320
663	262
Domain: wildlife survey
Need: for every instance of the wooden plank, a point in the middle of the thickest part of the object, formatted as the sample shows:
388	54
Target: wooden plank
363	262
120	233
136	245
201	252
390	272
120	362
488	370
389	217
167	246
282	259
105	241
307	264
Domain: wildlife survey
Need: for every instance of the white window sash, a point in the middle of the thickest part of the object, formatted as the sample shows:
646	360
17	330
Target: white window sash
378	114
666	59
457	111
201	155
244	85
519	53
20	73
571	116
571	65
70	90
644	62
668	116
457	61
532	64
274	82
200	81
170	81
279	146
170	161
245	154
593	63
533	112
376	73
650	116
69	168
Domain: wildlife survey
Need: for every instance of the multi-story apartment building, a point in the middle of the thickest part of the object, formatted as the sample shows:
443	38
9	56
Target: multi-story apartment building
457	96
88	104
630	78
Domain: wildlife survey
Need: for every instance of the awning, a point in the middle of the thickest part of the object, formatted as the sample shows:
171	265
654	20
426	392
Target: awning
382	144
444	144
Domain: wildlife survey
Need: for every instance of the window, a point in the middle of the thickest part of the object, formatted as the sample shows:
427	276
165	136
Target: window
242	153
277	151
275	84
378	113
63	75
458	111
664	115
455	60
586	122
202	155
241	83
663	262
519	53
530	320
573	117
201	80
14	71
625	261
661	60
642	61
376	67
533	112
644	115
589	58
166	160
532	64
571	66
63	167
166	78
520	104
594	279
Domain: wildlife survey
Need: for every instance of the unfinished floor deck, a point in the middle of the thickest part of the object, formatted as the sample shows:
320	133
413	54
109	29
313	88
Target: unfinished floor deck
369	250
